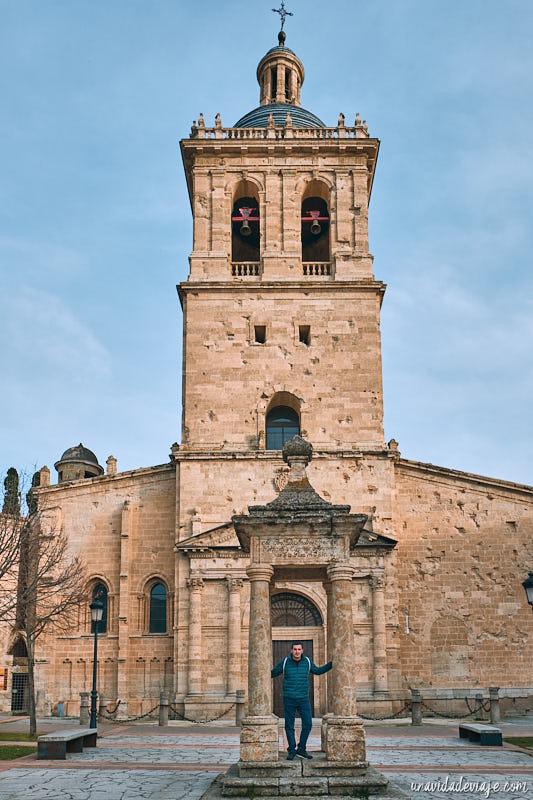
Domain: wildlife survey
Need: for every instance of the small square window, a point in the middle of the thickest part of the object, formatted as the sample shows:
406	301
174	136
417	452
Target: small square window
305	334
260	334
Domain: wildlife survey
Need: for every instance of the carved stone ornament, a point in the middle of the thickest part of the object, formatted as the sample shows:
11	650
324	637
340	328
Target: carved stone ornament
281	478
317	549
195	583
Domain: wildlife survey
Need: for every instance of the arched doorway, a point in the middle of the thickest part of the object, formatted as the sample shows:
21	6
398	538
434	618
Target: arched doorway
294	617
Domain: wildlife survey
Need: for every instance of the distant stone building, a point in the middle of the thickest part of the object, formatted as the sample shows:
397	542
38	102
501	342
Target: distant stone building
281	314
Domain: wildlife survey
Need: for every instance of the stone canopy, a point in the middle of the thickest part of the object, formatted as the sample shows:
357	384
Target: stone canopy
307	527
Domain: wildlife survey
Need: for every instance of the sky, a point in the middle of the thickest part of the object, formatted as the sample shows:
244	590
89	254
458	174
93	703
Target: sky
95	222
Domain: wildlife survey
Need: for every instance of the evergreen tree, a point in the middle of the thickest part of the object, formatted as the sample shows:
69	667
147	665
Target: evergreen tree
11	504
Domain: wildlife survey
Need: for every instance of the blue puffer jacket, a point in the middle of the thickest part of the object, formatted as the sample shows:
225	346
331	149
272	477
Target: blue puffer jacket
296	675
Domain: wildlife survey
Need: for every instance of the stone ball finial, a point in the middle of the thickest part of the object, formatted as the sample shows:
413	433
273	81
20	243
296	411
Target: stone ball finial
297	448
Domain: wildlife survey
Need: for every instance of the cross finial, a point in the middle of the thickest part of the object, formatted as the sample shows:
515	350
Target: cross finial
283	13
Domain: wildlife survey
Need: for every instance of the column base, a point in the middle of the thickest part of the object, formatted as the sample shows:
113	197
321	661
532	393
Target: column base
294	780
345	740
259	738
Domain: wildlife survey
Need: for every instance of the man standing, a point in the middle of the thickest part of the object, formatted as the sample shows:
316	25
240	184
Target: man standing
295	669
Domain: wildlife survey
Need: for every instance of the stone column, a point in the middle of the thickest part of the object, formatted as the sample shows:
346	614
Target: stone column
379	633
293	91
196	586
234	635
345	738
268	86
259	731
280	96
329	681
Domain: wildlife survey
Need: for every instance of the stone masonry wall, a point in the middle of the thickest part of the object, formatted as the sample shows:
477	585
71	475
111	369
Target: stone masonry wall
126	551
335	380
465	546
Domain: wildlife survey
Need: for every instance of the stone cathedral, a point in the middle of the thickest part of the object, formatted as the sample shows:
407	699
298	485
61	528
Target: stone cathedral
281	336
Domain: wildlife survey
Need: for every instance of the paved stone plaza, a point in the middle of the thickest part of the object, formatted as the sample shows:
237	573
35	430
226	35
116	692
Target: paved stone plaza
145	762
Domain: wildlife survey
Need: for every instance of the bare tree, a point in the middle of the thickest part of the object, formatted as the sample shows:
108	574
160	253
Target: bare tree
51	582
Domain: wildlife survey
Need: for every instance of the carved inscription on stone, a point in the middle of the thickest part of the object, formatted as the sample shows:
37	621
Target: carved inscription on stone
286	548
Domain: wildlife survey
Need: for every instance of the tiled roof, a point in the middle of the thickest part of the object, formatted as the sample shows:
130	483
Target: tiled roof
258	118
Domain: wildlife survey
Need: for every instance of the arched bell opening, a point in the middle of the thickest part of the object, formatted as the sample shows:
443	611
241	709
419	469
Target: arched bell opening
245	227
296	618
315	231
316	224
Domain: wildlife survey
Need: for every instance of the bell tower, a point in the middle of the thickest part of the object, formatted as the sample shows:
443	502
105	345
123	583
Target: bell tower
281	308
281	337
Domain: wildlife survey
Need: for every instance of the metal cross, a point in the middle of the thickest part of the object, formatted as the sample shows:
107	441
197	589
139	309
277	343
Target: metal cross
283	13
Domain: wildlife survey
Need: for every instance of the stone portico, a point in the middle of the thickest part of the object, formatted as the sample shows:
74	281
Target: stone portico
299	535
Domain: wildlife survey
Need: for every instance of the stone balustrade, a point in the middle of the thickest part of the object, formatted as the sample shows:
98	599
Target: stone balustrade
245	269
312	270
278	132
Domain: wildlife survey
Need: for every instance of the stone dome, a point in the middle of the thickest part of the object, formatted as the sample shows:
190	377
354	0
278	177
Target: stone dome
79	453
76	463
258	118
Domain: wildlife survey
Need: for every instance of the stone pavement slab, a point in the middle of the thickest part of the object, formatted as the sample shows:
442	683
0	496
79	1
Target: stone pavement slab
117	784
177	763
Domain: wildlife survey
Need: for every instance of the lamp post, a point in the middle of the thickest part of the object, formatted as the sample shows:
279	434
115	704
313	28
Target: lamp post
97	611
528	588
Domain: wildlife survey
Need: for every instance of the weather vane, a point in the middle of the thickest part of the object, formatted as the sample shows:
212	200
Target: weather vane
283	13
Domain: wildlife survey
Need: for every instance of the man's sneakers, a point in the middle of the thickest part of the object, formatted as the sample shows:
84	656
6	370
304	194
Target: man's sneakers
290	755
304	754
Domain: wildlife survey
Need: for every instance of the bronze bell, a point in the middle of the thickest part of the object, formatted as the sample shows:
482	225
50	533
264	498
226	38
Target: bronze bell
315	227
245	229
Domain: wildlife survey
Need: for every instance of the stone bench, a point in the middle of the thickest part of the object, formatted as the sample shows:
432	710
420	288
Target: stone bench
58	744
486	735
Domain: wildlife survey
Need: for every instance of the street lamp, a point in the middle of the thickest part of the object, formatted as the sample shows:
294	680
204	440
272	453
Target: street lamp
528	587
97	611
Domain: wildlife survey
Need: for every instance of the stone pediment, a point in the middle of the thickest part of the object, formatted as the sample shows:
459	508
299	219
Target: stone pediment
373	539
221	537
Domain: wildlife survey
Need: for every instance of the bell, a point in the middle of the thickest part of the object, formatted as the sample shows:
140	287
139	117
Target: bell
245	229
315	227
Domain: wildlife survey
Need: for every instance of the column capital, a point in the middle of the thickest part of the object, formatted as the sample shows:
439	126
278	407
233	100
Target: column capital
260	572
340	571
234	584
378	581
195	584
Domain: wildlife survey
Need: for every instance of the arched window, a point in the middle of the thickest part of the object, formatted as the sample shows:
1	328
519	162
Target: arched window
245	227
19	649
289	610
282	423
158	609
100	593
315	230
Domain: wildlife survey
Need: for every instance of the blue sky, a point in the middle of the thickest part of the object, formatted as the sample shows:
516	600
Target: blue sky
95	223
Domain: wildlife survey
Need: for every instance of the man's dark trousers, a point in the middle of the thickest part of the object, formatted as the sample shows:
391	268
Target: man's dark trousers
290	707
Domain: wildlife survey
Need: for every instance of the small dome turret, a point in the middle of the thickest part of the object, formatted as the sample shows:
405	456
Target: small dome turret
280	75
76	463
